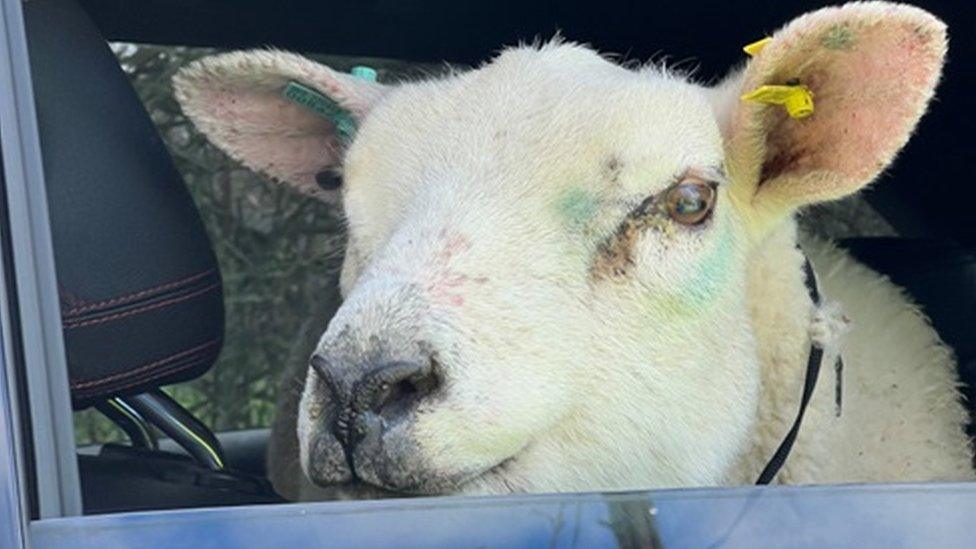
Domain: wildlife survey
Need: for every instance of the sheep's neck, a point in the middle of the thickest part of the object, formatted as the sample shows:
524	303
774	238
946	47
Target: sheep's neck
779	307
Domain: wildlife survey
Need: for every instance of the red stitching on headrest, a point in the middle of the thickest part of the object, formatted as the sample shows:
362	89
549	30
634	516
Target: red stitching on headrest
152	365
71	325
134	296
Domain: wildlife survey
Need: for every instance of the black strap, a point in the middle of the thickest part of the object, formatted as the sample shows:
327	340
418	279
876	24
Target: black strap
810	281
809	384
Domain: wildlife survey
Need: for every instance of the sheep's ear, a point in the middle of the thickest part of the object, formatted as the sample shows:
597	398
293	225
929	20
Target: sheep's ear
238	100
872	68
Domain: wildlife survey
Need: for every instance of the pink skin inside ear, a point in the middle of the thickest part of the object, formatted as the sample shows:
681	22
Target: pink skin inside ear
871	80
272	135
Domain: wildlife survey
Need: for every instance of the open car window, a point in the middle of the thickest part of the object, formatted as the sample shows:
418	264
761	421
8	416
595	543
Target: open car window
357	273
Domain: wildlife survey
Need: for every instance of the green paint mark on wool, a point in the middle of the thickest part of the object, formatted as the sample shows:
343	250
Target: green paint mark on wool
703	287
712	272
838	37
576	208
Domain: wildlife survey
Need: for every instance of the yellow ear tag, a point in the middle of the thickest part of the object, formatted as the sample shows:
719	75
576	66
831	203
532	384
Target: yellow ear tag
798	99
753	49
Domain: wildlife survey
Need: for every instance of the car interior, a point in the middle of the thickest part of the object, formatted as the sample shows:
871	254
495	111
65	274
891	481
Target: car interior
129	238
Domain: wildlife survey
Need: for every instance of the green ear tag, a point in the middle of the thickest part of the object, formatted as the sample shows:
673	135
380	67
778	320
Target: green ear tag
315	101
363	72
321	105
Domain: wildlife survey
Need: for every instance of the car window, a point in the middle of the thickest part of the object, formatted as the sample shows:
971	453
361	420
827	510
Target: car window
281	256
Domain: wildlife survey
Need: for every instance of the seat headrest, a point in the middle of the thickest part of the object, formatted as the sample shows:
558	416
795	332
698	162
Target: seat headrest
141	297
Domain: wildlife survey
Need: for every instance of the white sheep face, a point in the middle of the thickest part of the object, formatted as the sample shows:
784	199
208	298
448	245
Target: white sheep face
489	230
545	281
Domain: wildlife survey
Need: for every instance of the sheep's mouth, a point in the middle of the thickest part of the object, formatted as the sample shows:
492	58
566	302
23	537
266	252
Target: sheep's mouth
360	489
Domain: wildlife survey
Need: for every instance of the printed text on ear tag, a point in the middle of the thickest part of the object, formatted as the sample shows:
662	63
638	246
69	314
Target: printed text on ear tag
321	105
798	99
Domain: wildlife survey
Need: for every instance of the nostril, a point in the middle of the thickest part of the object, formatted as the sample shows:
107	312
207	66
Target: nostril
361	399
407	387
320	365
396	388
423	382
328	374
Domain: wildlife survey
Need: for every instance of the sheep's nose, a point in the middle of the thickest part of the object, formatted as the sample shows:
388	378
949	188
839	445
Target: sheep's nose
388	392
394	389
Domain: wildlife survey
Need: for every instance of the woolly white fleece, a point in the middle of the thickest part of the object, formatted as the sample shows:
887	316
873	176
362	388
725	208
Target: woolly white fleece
901	419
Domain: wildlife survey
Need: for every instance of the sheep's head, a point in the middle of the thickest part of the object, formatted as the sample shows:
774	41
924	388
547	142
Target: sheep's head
544	286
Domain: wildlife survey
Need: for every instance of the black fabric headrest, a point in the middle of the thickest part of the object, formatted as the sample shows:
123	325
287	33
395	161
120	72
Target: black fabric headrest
141	296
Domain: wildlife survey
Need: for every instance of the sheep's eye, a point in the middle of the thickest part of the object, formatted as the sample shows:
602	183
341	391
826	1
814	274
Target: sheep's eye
691	201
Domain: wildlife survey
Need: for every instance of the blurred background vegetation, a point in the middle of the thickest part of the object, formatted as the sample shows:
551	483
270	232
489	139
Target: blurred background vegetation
279	255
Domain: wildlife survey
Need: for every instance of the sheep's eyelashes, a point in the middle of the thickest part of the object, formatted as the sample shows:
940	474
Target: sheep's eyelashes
690	202
328	180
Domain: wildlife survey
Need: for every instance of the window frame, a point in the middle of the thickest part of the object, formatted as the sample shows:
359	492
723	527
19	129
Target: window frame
869	515
31	316
14	505
32	353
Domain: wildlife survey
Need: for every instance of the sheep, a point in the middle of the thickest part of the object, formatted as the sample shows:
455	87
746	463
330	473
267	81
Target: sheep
564	275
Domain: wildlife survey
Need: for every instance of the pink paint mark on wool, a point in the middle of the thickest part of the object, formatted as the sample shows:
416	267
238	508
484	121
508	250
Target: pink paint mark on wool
454	245
447	285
